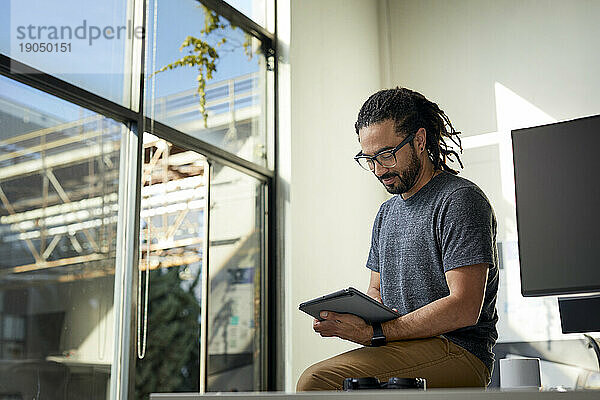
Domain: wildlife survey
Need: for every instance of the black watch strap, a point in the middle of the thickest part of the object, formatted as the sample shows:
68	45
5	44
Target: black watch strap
378	338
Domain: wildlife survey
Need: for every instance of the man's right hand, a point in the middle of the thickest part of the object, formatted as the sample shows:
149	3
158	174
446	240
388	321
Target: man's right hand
345	326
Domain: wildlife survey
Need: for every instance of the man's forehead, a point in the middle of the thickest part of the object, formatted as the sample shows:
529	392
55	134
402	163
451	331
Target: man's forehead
379	136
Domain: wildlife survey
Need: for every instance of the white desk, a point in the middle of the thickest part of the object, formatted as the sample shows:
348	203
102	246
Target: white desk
432	394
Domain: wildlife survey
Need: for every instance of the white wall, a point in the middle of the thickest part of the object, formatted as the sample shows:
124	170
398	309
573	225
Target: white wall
494	66
334	67
455	52
491	65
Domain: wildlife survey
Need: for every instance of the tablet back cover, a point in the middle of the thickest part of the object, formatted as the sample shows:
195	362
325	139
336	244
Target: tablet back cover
350	301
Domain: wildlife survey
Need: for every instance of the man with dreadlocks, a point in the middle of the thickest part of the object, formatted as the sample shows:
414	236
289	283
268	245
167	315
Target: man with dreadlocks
433	257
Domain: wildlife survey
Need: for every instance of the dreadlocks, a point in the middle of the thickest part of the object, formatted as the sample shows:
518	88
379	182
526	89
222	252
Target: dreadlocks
410	111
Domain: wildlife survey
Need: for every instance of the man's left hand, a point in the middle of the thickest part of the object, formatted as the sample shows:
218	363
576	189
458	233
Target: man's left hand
345	326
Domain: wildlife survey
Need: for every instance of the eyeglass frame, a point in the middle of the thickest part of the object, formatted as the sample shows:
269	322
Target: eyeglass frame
392	151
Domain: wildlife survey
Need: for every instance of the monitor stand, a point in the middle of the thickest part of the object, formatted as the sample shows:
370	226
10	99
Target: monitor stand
593	343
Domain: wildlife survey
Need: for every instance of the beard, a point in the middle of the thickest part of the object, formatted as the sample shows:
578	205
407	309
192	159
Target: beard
407	178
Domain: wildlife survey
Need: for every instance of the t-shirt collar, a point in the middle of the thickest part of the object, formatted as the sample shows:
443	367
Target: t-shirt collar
423	191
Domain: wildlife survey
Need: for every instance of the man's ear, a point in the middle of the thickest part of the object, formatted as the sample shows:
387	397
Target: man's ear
421	140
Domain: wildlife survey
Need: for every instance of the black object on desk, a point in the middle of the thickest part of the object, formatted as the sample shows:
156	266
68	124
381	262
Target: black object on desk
579	314
371	383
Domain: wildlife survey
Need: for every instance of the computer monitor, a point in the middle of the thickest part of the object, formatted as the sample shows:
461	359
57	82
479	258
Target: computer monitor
557	184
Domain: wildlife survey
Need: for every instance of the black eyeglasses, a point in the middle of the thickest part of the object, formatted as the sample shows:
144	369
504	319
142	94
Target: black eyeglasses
386	158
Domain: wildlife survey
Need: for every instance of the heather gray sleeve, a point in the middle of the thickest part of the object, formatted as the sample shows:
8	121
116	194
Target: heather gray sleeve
373	260
468	229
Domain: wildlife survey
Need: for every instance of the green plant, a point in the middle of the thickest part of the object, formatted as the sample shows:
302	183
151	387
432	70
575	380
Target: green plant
172	357
203	56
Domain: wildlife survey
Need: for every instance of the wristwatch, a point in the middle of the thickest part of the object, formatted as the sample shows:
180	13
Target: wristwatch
378	338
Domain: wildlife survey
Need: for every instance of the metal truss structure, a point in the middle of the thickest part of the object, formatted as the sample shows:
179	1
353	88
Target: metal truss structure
67	230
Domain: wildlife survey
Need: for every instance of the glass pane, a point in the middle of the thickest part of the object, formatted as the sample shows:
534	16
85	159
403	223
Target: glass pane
234	91
236	261
260	11
59	175
83	42
171	236
171	243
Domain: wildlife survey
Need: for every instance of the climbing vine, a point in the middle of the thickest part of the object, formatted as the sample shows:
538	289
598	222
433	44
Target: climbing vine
203	56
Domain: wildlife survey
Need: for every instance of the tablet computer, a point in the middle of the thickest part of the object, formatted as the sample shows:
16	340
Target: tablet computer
350	301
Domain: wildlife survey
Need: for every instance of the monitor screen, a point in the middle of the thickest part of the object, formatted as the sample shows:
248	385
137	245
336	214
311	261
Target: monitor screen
558	206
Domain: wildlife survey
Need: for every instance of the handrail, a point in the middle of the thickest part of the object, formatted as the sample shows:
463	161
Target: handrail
189	98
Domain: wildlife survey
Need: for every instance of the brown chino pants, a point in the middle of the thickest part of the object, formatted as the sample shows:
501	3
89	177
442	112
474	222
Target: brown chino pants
438	360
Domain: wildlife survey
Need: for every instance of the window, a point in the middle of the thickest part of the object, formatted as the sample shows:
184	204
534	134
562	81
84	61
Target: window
59	180
198	309
234	93
172	238
235	330
123	224
86	43
260	11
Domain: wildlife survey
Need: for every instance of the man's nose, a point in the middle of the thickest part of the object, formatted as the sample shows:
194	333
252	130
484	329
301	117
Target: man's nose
379	170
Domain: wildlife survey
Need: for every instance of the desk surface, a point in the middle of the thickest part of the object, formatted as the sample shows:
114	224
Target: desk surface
433	394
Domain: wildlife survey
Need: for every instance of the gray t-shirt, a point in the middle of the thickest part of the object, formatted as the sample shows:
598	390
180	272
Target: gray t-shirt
449	223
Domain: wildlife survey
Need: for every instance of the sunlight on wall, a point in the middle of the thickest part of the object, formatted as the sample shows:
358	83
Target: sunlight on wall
515	311
513	112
